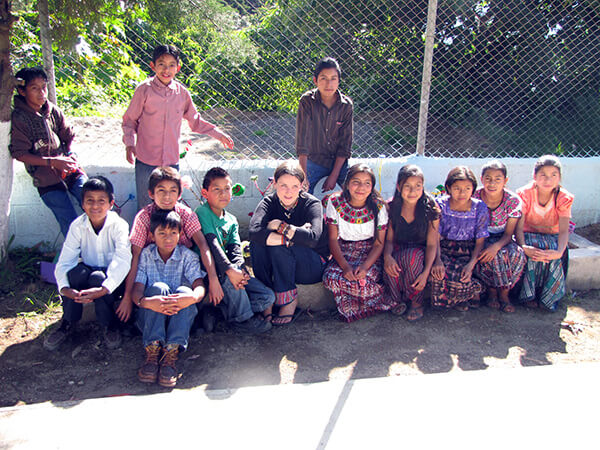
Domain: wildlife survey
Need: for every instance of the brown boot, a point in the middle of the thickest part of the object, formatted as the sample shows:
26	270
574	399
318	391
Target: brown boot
167	376
148	373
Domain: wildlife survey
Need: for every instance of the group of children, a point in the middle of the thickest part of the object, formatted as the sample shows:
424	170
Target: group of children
374	256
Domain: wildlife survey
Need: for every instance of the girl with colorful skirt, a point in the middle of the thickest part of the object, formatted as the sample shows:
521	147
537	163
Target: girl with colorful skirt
543	232
502	261
411	242
288	244
463	229
356	220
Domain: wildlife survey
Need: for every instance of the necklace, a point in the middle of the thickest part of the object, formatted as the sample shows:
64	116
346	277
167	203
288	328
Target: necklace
288	211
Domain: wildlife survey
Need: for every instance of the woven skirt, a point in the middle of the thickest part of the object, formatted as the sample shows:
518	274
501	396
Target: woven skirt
450	291
505	269
356	300
411	260
544	282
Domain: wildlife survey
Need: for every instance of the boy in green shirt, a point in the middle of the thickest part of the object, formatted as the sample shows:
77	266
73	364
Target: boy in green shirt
244	295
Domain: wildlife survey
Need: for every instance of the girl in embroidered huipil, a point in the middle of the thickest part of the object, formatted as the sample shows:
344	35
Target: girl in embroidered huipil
543	232
411	242
356	219
463	229
502	261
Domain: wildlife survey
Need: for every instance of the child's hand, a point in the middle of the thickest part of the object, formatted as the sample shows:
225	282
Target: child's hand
226	141
215	292
181	301
488	254
535	254
63	163
391	267
273	224
465	274
91	294
360	273
551	255
238	278
438	271
420	282
329	184
124	310
349	274
69	293
159	304
130	154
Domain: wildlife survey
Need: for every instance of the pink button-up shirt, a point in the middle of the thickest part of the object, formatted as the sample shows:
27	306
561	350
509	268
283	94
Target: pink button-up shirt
155	114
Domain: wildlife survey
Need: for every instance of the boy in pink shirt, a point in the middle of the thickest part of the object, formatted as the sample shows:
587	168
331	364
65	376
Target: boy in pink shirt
154	116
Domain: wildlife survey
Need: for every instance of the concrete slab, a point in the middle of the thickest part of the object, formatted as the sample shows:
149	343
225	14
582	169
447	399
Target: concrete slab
538	407
584	263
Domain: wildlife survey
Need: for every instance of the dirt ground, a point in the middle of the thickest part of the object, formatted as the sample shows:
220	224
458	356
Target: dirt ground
317	347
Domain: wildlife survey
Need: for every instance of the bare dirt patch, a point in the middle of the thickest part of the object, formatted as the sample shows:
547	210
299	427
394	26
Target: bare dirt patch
317	347
590	232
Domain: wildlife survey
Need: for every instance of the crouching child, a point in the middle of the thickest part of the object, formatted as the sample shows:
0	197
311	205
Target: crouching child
167	286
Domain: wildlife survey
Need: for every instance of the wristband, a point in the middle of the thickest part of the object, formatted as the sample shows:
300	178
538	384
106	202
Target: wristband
139	302
49	162
281	228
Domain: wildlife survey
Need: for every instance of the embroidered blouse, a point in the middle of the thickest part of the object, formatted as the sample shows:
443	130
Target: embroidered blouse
354	224
509	208
463	225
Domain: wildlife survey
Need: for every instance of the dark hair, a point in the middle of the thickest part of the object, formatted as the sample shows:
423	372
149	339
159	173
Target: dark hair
460	173
327	63
289	168
494	165
165	219
374	200
426	209
161	174
213	174
98	183
27	74
549	161
165	49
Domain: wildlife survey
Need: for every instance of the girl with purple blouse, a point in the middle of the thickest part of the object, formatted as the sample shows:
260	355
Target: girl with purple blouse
463	229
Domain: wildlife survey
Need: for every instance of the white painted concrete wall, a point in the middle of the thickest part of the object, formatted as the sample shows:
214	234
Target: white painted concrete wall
31	222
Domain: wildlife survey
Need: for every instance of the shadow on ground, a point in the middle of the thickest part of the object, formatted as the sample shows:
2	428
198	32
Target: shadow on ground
317	347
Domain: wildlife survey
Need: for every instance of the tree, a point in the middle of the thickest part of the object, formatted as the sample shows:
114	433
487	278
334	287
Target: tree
6	88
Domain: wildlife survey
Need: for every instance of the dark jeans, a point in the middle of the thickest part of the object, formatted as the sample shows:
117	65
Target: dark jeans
280	267
85	277
60	204
317	172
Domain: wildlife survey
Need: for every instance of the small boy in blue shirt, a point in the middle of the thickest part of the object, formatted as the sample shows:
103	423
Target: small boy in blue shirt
244	295
167	286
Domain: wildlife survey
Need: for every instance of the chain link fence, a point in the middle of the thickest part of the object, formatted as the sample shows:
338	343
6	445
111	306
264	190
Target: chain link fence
510	78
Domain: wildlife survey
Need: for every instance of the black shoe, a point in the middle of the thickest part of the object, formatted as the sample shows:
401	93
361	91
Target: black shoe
254	325
112	337
209	319
58	336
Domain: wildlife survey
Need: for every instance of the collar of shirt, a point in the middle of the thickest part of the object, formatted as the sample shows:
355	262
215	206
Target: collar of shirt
111	217
175	256
220	218
158	84
341	98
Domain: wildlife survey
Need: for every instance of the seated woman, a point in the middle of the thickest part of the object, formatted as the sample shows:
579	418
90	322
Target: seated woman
502	261
288	244
356	221
41	138
543	232
411	242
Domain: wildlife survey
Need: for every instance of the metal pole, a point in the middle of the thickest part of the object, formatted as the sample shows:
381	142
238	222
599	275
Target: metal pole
426	81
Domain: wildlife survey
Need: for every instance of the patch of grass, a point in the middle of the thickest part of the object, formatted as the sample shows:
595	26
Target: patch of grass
259	133
40	302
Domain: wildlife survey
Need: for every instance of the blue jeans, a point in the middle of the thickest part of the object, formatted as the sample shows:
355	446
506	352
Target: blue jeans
142	174
167	330
60	204
281	267
239	305
316	172
85	277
